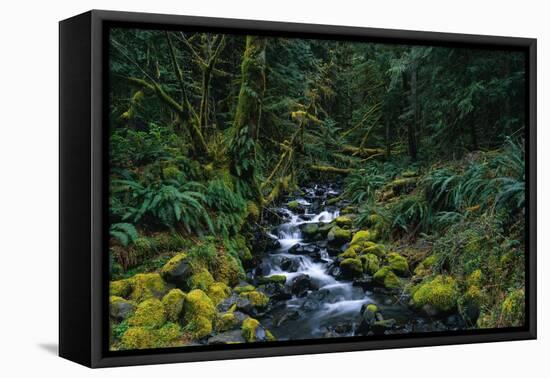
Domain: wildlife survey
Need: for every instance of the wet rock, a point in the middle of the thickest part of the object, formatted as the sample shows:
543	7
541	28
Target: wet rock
263	269
277	291
300	285
381	326
272	244
290	265
120	308
363	282
289	315
310	231
229	337
177	270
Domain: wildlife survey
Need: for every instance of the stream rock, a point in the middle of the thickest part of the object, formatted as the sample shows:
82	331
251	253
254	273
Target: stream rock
300	285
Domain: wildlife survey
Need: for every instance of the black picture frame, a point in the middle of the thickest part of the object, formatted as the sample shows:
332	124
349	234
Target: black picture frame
83	276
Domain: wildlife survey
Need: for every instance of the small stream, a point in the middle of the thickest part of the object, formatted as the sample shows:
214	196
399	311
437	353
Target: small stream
318	302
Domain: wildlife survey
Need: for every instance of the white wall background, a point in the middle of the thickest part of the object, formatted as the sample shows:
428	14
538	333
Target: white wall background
29	186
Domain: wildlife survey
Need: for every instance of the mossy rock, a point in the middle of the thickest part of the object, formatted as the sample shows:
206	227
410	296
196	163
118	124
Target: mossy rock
362	236
398	264
276	278
409	174
228	268
370	262
200	280
386	277
218	291
293	205
198	313
173	304
475	278
344	221
338	236
441	293
177	270
349	253
243	288
257	299
513	308
138	338
147	285
120	308
149	313
403	185
469	304
425	267
310	230
348	210
227	321
120	288
253	331
168	335
378	250
351	268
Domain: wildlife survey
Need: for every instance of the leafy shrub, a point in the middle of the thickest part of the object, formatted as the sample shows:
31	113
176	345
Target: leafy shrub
230	207
125	233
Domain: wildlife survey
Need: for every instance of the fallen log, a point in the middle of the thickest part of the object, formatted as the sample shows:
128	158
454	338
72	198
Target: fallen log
362	152
330	169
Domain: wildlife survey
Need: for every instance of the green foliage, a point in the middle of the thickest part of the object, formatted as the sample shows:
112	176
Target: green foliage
125	233
229	206
362	184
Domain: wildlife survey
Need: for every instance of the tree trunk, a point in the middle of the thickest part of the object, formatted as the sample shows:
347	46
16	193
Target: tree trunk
411	125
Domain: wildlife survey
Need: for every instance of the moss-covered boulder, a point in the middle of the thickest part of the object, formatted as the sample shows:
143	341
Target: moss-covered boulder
350	253
218	291
370	262
310	231
439	294
403	185
120	308
147	285
351	268
469	305
425	267
173	304
198	313
149	313
138	338
398	264
293	205
200	280
253	331
378	250
513	309
168	335
348	210
362	236
338	236
344	221
177	270
229	320
276	278
387	278
243	288
257	299
475	278
120	288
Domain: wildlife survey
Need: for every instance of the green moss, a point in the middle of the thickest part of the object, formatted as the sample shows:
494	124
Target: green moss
343	221
349	253
198	313
293	205
168	335
120	308
174	263
120	288
276	278
425	267
171	172
378	250
339	236
249	331
370	262
138	338
200	280
256	298
403	184
362	236
226	322
475	278
243	289
372	308
348	210
147	285
149	313
310	230
218	291
252	210
143	247
173	304
351	267
385	276
398	264
513	308
440	293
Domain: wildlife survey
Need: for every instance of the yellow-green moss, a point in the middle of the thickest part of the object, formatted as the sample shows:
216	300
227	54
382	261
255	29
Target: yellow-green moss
252	210
218	291
168	335
200	280
256	298
372	308
362	236
351	267
293	205
138	338
402	184
173	304
387	277
378	250
147	285
249	327
441	293
475	278
171	172
398	263
349	253
425	267
173	264
198	313
199	327
243	289
371	264
225	322
276	278
120	288
513	308
339	235
149	313
343	221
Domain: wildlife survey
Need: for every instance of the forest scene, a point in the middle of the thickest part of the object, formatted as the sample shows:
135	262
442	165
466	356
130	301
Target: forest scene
266	189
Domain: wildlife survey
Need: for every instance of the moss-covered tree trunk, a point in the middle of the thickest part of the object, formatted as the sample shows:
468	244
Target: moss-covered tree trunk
248	114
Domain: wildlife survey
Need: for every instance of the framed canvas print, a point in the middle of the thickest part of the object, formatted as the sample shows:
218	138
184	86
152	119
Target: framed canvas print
234	188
